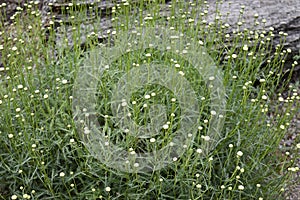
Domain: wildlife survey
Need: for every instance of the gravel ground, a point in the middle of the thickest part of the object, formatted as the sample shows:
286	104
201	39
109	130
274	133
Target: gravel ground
293	192
289	141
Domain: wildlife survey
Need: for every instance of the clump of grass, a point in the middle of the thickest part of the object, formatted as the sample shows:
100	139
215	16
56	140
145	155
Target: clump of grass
42	153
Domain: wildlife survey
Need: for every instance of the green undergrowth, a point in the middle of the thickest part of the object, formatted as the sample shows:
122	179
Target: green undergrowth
44	155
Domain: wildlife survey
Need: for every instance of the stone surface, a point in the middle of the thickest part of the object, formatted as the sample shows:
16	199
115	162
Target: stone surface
282	15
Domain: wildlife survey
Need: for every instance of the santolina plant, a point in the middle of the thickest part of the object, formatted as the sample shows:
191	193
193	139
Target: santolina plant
46	75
